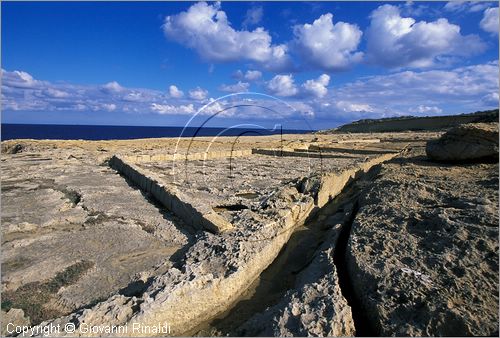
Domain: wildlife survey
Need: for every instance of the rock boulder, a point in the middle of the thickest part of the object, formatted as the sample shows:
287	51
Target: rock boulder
467	142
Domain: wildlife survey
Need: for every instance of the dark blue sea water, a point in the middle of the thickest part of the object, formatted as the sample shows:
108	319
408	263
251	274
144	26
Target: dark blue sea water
78	132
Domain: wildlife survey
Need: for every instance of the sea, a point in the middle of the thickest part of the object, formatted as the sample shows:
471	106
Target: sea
84	132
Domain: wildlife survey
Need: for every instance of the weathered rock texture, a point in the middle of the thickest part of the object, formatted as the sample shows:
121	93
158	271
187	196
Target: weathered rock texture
218	268
423	249
466	142
143	242
14	316
58	211
315	306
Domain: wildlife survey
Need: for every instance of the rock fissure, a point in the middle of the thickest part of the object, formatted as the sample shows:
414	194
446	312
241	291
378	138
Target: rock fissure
409	250
299	255
361	322
217	267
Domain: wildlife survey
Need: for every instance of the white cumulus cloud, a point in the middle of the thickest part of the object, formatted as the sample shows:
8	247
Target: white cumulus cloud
249	75
252	75
175	92
350	107
135	96
253	16
235	88
56	93
282	85
220	108
489	22
172	109
112	87
452	90
421	109
460	90
396	41
198	94
109	106
206	29
19	79
466	6
326	45
318	87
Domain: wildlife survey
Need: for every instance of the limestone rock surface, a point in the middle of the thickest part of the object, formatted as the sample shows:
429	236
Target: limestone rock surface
423	250
466	143
64	206
15	317
315	307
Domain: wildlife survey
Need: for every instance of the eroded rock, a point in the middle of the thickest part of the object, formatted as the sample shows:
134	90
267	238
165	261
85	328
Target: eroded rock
316	307
12	318
423	250
209	271
57	212
466	142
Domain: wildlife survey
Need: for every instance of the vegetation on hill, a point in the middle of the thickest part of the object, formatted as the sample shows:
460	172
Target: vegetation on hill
414	123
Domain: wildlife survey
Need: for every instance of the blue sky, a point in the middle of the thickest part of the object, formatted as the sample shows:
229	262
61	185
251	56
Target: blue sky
318	64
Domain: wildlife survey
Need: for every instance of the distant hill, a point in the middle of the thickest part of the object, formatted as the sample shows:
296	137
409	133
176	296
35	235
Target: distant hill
413	123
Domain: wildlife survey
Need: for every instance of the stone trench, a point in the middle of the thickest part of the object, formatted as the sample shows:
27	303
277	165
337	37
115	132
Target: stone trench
240	253
272	255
